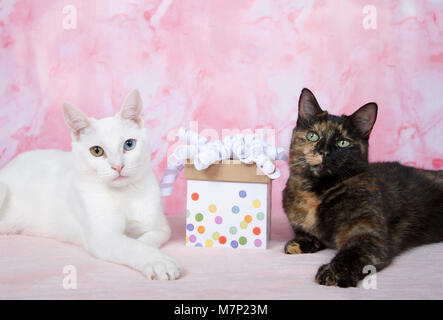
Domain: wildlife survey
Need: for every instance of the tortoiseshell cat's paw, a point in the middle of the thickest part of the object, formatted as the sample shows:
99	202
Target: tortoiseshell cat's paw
292	247
298	246
329	275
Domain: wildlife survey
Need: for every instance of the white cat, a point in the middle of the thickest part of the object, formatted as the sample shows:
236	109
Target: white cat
103	195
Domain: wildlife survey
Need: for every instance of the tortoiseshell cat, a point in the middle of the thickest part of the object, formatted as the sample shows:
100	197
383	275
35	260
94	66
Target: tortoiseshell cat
335	199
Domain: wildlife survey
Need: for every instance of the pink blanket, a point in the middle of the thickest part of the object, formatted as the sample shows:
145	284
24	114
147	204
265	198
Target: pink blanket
32	268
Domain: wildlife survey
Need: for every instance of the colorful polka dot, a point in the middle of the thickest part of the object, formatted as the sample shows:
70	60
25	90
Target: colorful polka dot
257	243
243	224
188	213
190	226
248	218
192	238
215	236
198	245
209	243
198	217
234	244
256	231
235	209
242	194
194	196
187	239
201	229
232	230
218	220
212	208
242	241
222	240
260	216
256	203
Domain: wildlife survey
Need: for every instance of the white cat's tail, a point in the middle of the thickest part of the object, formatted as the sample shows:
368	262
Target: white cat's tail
3	193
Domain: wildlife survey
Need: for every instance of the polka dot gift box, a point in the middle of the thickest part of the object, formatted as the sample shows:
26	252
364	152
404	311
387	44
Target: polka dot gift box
228	206
228	188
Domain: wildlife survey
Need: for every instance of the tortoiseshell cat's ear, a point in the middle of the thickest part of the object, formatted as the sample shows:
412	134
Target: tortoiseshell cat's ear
364	118
308	107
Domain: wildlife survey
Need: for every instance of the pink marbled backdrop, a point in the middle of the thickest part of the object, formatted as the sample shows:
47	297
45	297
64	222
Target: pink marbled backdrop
227	64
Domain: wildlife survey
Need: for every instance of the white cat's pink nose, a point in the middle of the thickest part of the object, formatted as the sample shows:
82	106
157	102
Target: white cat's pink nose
118	168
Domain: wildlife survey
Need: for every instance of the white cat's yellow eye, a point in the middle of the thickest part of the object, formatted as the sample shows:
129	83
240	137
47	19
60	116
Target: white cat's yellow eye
312	136
96	151
343	143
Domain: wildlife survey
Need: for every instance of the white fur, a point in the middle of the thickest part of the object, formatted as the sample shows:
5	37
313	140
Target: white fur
77	197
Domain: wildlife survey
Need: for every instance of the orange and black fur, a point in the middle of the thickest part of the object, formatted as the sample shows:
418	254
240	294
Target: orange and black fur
335	199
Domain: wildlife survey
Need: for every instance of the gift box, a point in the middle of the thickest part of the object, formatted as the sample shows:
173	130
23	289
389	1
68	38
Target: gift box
228	200
228	206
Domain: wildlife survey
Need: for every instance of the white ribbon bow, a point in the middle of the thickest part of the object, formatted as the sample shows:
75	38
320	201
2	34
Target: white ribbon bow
246	148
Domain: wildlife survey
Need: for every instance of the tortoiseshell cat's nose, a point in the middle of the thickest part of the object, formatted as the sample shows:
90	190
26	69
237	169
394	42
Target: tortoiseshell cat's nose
323	153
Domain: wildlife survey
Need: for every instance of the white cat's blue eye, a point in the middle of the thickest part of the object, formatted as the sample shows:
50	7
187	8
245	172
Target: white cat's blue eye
129	144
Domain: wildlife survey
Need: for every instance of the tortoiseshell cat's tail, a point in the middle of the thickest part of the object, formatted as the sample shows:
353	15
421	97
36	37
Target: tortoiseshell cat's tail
438	176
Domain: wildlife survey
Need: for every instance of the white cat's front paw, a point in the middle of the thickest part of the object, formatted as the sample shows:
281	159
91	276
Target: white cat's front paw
154	238
162	268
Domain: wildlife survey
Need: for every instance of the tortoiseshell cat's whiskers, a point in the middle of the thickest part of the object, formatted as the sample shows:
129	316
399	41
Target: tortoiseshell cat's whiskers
335	199
297	163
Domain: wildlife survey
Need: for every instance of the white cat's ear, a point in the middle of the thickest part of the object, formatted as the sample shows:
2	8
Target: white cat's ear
76	120
132	108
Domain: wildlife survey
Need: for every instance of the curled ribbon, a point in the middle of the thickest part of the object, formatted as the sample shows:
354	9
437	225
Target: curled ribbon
246	148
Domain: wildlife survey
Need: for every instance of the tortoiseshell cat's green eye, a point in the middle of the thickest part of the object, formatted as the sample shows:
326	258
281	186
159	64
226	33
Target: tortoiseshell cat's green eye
343	143
312	136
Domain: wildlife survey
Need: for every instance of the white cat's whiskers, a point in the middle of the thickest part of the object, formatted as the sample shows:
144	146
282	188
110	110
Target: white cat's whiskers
132	168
